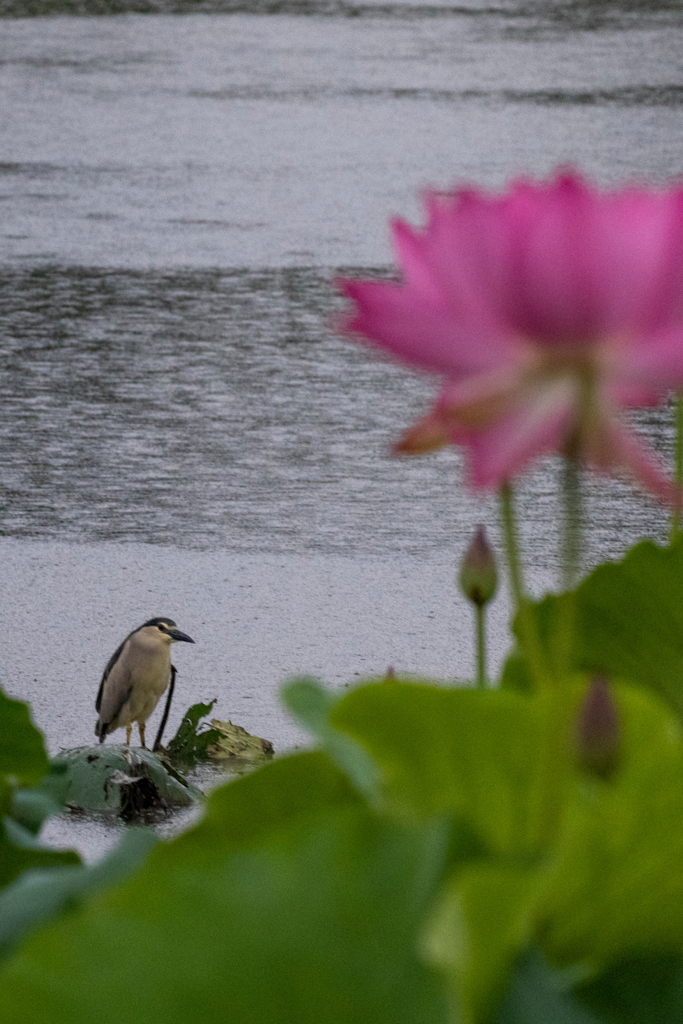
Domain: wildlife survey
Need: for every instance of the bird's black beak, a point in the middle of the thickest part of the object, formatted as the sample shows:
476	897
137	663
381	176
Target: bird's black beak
177	634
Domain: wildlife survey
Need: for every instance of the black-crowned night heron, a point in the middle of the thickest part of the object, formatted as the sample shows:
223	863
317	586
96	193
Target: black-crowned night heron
136	675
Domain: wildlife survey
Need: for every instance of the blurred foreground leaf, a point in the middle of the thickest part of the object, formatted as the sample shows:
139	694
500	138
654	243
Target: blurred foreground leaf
23	808
466	752
482	921
615	886
291	902
538	995
647	990
21	851
627	623
39	895
311	703
637	991
22	751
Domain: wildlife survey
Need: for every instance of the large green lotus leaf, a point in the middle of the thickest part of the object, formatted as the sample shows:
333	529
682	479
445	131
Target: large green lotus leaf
627	622
616	883
268	799
481	922
311	704
469	752
310	916
22	751
39	895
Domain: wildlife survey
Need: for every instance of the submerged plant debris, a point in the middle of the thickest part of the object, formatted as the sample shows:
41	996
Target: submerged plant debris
197	741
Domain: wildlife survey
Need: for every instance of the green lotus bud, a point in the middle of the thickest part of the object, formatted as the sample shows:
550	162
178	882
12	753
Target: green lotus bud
598	731
478	573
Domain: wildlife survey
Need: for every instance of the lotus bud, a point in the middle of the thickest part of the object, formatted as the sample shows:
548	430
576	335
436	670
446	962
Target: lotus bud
598	732
478	573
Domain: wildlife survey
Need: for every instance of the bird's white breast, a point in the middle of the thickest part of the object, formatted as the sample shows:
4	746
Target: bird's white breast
152	673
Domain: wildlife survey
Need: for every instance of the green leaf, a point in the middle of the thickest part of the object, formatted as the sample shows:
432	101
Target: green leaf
627	622
469	752
31	807
638	991
309	913
22	751
20	851
189	743
482	921
615	885
38	895
515	673
538	995
630	619
273	796
311	704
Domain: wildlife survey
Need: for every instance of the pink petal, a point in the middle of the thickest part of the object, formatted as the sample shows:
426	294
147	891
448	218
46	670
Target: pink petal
657	362
421	332
554	295
617	447
535	428
580	264
474	403
638	260
430	433
465	247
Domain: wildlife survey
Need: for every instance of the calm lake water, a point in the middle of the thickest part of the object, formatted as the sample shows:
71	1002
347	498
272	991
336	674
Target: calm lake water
181	431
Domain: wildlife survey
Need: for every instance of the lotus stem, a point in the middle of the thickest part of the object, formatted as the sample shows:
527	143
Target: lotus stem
480	613
528	634
571	553
678	467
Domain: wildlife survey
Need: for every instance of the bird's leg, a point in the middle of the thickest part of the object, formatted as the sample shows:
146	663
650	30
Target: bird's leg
129	729
141	728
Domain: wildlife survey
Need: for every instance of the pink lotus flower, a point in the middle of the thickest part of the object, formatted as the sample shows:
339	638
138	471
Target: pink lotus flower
548	309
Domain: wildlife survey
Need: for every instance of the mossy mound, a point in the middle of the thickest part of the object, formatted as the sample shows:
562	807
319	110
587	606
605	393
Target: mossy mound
129	781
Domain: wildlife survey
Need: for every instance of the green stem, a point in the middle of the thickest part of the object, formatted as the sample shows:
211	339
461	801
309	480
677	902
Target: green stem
528	634
571	489
481	645
571	552
551	710
678	466
511	546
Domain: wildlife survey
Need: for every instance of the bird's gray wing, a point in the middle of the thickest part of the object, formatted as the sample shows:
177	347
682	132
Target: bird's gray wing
107	669
117	688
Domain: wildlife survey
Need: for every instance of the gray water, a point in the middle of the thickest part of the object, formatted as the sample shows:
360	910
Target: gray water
182	432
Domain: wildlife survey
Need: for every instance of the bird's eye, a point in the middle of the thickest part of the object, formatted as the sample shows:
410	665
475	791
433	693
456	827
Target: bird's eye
161	628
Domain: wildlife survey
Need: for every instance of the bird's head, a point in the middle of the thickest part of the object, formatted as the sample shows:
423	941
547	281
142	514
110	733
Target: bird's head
166	629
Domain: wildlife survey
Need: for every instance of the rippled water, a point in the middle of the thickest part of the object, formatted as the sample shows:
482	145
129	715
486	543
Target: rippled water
218	409
177	414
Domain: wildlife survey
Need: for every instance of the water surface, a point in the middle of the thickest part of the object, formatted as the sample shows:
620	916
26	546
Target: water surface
182	431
